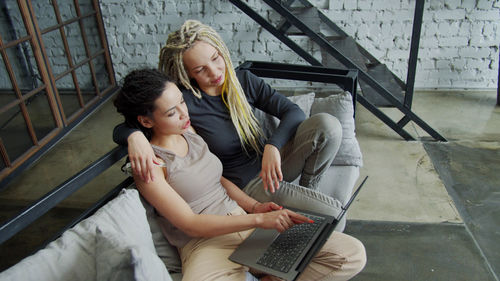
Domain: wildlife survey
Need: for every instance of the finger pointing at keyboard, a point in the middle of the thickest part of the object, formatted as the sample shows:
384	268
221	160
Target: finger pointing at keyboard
281	220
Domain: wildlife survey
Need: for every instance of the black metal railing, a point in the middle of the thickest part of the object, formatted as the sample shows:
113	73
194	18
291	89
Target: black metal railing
58	194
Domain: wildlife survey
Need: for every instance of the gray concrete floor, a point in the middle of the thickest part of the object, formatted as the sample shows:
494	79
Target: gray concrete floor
412	227
414	214
402	177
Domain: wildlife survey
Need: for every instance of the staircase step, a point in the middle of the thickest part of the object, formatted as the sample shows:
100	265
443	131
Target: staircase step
388	80
309	16
348	47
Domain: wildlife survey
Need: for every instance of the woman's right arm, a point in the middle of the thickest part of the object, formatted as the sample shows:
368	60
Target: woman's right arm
173	207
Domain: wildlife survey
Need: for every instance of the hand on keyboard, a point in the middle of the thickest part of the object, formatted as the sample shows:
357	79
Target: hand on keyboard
288	246
281	220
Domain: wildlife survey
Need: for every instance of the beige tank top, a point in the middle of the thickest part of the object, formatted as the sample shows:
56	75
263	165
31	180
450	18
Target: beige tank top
196	178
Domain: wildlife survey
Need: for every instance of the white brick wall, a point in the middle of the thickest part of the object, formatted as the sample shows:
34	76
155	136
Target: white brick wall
458	49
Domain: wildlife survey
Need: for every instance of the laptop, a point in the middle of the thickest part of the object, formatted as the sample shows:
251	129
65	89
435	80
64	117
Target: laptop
287	254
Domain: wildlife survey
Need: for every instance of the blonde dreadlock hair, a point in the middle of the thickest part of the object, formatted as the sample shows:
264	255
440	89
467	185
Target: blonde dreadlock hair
171	63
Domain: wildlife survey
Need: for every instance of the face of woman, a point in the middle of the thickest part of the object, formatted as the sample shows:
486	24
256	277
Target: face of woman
171	114
204	64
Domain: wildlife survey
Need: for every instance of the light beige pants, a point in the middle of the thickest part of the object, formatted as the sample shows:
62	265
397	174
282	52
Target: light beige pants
341	258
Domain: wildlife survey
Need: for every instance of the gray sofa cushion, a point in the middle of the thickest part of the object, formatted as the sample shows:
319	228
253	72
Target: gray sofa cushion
167	253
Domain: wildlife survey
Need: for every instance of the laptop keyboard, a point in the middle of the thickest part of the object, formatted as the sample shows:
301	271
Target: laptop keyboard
288	246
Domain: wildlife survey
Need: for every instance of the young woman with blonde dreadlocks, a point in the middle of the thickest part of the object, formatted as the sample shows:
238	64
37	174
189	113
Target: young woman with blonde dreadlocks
221	102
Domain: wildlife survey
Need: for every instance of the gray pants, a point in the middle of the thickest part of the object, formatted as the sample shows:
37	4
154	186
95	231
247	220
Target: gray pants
308	155
311	151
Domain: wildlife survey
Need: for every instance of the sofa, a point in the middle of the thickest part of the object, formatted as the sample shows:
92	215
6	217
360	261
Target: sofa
123	241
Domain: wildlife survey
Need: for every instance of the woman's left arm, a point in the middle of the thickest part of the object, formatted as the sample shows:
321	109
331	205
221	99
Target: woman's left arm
246	202
262	96
267	99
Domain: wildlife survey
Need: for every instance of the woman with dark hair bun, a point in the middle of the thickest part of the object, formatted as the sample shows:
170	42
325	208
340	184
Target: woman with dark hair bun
203	214
137	96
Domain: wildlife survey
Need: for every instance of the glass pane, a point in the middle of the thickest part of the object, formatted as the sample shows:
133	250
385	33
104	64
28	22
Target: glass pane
66	9
75	42
101	73
86	6
6	91
23	63
11	21
55	51
40	114
44	11
92	33
87	88
67	94
14	133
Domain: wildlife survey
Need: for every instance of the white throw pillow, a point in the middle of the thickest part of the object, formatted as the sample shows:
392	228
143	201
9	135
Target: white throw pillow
304	102
126	216
72	256
119	259
269	123
341	106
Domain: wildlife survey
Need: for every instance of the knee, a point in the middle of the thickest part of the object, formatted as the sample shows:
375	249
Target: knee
357	260
327	129
327	126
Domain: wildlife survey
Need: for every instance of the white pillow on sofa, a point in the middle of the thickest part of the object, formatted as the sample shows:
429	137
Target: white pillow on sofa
304	102
72	256
119	259
341	106
126	216
269	123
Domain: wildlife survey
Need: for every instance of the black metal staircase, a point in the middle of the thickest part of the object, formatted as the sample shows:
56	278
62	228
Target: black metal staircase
379	86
